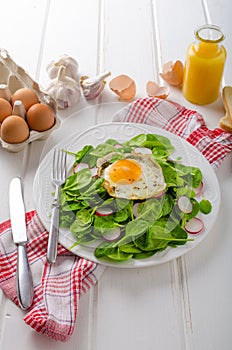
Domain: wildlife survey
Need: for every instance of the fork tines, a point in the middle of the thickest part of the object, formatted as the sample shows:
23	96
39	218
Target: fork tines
59	166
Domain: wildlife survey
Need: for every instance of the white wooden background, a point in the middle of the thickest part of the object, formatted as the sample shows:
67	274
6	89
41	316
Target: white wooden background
184	304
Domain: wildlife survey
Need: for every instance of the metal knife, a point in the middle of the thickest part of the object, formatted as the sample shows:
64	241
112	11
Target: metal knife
24	283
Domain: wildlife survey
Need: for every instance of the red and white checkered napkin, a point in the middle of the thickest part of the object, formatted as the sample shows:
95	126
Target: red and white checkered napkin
58	287
190	125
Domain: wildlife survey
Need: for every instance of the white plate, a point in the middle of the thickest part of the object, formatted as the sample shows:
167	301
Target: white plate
43	187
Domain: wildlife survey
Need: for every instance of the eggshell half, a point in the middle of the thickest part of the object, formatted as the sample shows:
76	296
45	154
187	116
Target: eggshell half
14	129
124	87
173	73
154	90
40	117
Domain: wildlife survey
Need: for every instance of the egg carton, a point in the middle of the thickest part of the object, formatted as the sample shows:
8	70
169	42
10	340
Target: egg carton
15	77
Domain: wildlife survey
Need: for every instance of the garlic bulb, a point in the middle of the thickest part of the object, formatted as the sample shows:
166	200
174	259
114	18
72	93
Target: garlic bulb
92	87
64	90
68	62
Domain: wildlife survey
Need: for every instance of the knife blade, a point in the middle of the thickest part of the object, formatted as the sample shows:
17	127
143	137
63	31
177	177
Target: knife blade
24	283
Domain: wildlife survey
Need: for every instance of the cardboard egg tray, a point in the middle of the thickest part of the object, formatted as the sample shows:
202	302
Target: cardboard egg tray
15	77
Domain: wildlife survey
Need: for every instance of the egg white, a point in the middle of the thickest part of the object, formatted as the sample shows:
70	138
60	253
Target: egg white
150	183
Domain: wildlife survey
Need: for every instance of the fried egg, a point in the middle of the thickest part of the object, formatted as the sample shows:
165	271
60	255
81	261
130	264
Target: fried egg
137	176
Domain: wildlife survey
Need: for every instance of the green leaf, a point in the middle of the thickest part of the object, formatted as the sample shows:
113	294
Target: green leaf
117	255
129	248
143	255
84	156
121	215
134	229
102	224
102	149
167	204
104	249
136	140
78	181
205	206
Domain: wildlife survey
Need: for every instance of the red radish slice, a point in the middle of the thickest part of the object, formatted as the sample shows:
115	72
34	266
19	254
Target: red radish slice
94	171
159	195
194	226
199	189
118	145
143	150
80	166
185	204
135	209
112	235
104	211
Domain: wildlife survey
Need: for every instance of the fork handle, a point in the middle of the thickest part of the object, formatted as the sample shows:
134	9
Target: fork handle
54	231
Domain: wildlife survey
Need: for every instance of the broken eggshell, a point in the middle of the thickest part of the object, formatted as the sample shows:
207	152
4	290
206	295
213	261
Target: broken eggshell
173	73
124	87
154	90
70	64
92	87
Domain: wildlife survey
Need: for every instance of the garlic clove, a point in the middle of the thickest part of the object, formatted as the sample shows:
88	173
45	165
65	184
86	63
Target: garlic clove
173	73
66	61
92	87
154	90
124	87
64	90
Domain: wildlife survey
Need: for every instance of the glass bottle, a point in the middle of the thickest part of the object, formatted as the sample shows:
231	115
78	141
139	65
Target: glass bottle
204	66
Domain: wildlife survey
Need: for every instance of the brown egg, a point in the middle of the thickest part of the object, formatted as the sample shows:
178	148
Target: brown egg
5	109
124	87
27	96
14	129
40	117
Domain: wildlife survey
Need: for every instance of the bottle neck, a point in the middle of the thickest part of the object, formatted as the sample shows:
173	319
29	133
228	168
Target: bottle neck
209	41
207	49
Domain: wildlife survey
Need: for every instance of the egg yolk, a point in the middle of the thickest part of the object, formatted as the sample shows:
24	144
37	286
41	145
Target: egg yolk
125	169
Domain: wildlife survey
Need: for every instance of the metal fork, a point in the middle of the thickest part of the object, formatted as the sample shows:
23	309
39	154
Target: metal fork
58	177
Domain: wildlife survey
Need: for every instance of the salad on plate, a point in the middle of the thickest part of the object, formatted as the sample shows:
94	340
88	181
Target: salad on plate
131	200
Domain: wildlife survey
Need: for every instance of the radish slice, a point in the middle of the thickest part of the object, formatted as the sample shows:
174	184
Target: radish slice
185	204
194	226
118	145
143	150
159	195
135	209
80	166
94	171
104	211
112	235
199	189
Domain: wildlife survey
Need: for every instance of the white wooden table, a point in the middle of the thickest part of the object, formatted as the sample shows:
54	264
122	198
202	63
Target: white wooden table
183	304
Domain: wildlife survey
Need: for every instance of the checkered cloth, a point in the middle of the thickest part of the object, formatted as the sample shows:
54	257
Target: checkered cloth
190	125
58	287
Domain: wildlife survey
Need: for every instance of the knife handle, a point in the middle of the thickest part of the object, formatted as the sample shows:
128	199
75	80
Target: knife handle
25	288
53	235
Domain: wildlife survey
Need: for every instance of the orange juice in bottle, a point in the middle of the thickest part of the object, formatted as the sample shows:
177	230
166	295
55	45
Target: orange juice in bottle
204	66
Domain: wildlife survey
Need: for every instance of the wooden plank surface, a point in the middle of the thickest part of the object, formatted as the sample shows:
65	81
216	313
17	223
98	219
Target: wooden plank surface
184	304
